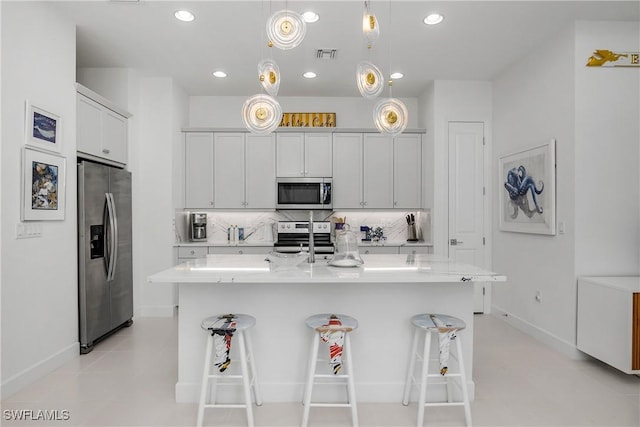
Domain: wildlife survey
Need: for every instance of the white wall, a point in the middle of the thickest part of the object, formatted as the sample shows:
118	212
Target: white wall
351	112
39	276
607	150
160	124
593	114
534	102
454	101
160	111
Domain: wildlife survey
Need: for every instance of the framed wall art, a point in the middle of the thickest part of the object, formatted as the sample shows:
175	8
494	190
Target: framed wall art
43	129
527	190
43	186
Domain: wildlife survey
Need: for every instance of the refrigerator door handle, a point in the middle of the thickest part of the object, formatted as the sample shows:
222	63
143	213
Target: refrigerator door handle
115	236
110	239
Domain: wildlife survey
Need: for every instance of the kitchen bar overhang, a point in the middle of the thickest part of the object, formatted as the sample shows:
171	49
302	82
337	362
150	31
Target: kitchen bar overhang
382	294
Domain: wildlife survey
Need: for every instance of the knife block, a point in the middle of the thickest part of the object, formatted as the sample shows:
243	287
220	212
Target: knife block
412	233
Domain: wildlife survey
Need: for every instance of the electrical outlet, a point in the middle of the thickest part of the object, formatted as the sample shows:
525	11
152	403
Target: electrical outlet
538	296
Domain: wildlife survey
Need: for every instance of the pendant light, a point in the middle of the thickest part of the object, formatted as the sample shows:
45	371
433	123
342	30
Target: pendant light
390	115
261	114
369	79
269	75
368	76
286	29
370	25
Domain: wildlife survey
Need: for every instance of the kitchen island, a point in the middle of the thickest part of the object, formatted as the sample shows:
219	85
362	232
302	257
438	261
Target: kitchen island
382	294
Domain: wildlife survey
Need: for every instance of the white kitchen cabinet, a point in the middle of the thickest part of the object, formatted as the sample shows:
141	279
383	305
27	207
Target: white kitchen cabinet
187	253
228	167
101	128
244	171
346	190
239	250
407	171
378	250
414	250
609	320
377	171
199	191
301	154
260	172
229	170
362	171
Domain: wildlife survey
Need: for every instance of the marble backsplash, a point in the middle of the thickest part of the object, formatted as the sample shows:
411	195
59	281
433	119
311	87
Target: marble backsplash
256	224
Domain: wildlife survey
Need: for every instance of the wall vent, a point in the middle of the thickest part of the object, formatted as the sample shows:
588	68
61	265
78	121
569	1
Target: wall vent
326	53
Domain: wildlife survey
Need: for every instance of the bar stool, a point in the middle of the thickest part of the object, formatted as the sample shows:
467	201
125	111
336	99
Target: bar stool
225	326
325	327
436	325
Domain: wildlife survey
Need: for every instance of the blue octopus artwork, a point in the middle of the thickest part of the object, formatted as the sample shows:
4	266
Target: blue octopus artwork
518	185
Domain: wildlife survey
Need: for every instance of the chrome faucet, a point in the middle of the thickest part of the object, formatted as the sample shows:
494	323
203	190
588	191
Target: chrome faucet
312	249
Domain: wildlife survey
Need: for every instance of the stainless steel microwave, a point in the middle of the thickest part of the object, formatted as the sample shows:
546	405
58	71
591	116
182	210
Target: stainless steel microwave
303	193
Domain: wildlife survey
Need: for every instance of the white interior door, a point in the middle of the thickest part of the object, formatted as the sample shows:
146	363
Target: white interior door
466	198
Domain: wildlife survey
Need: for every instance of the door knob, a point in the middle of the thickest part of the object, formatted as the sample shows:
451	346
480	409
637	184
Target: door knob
455	242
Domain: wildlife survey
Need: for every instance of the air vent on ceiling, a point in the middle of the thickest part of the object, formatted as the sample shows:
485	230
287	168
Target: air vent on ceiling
326	53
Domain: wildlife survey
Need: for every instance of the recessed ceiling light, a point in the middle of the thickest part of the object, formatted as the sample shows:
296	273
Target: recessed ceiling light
310	17
433	19
184	15
220	74
309	75
396	75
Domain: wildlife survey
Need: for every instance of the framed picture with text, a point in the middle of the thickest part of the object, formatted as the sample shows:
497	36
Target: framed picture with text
527	190
43	129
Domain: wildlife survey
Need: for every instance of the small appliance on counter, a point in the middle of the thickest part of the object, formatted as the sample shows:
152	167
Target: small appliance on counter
198	226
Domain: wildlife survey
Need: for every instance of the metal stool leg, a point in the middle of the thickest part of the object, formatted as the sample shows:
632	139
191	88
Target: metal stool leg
205	380
246	385
423	382
351	387
309	385
463	381
252	367
412	365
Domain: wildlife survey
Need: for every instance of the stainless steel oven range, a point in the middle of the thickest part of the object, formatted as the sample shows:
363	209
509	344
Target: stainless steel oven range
294	236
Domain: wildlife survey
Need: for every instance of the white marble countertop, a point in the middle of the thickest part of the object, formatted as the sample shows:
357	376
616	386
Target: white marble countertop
389	268
392	243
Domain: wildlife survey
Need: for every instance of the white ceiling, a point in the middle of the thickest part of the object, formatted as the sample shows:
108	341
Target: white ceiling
476	40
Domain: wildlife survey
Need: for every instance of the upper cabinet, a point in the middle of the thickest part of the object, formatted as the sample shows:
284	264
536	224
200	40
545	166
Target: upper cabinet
229	170
373	171
244	171
198	169
302	154
407	171
101	128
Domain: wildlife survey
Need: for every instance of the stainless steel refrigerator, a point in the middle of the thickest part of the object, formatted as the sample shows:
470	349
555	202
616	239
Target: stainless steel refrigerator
105	273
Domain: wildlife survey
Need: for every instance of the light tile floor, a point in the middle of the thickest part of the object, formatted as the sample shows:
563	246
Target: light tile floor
128	380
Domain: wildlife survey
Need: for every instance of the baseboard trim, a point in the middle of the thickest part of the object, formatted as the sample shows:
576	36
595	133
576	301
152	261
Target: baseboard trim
157	311
39	369
553	341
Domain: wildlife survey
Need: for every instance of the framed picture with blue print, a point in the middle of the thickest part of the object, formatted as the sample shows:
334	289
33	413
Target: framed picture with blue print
43	129
527	190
